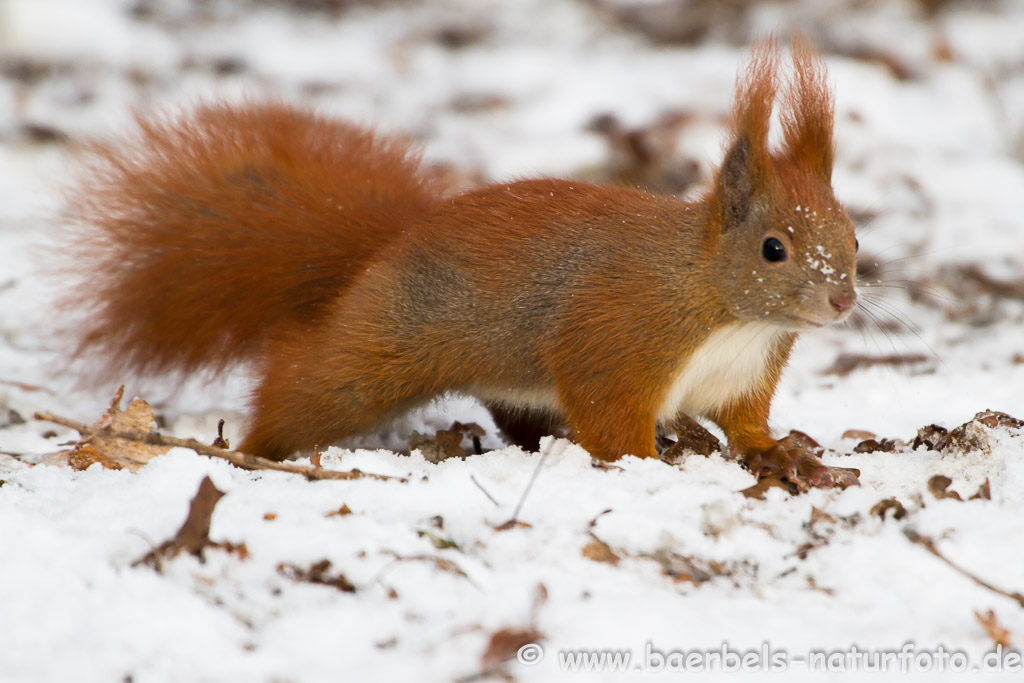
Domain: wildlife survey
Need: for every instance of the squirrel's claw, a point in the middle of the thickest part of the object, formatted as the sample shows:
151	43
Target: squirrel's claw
794	459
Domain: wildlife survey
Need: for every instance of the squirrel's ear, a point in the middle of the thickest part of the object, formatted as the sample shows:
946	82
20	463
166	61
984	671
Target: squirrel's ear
808	111
744	171
737	182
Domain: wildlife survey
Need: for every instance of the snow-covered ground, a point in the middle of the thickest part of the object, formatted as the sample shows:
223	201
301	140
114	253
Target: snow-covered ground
649	557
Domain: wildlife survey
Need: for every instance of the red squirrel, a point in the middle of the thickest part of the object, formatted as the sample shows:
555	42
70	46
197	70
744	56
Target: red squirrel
329	258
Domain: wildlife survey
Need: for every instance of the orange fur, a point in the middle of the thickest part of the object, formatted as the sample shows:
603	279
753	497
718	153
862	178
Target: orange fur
205	233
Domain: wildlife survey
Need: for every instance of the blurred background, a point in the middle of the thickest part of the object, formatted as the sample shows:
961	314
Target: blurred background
930	134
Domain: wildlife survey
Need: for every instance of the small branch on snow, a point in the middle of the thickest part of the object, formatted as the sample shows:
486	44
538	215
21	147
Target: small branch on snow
554	444
481	487
929	545
236	458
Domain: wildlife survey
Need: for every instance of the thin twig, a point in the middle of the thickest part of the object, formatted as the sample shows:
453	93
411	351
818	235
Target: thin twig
929	545
533	478
481	487
242	460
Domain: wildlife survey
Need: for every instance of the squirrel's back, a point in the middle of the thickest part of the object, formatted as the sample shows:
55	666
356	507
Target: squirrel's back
208	232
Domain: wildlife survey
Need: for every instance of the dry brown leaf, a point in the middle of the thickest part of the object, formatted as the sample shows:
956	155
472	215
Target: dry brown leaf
984	491
689	569
819	516
504	645
758	490
859	434
540	598
883	507
932	437
994	419
969	437
110	452
473	432
443	445
599	551
341	512
194	535
876	446
939	485
468	428
512	524
995	631
317	573
691	437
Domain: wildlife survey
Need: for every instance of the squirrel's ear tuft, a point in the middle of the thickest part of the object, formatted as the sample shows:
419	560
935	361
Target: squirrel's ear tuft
808	112
744	171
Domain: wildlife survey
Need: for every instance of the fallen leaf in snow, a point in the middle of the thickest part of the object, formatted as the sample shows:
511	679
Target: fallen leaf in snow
932	437
195	532
540	598
691	437
883	507
758	490
875	446
939	485
12	418
994	419
340	512
819	516
969	437
445	444
194	535
471	430
995	631
858	434
599	551
317	573
690	569
984	491
110	452
504	645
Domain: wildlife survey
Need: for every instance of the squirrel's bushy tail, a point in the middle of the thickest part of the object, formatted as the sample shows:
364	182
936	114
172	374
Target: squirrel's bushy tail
205	233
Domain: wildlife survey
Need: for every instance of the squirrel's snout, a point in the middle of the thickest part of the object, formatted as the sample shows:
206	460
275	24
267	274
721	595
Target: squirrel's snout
842	301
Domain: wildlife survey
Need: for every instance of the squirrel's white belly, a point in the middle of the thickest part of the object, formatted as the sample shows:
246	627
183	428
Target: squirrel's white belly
728	365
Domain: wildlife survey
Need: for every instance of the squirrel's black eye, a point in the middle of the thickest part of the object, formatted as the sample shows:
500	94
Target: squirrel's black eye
856	245
773	250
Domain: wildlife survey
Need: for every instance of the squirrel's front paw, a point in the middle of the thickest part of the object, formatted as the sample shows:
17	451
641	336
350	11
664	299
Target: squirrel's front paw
794	459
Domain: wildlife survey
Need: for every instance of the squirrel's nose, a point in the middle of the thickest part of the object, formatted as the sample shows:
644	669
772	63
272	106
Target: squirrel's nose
842	301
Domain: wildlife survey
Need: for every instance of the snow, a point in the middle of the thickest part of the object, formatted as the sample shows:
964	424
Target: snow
934	161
